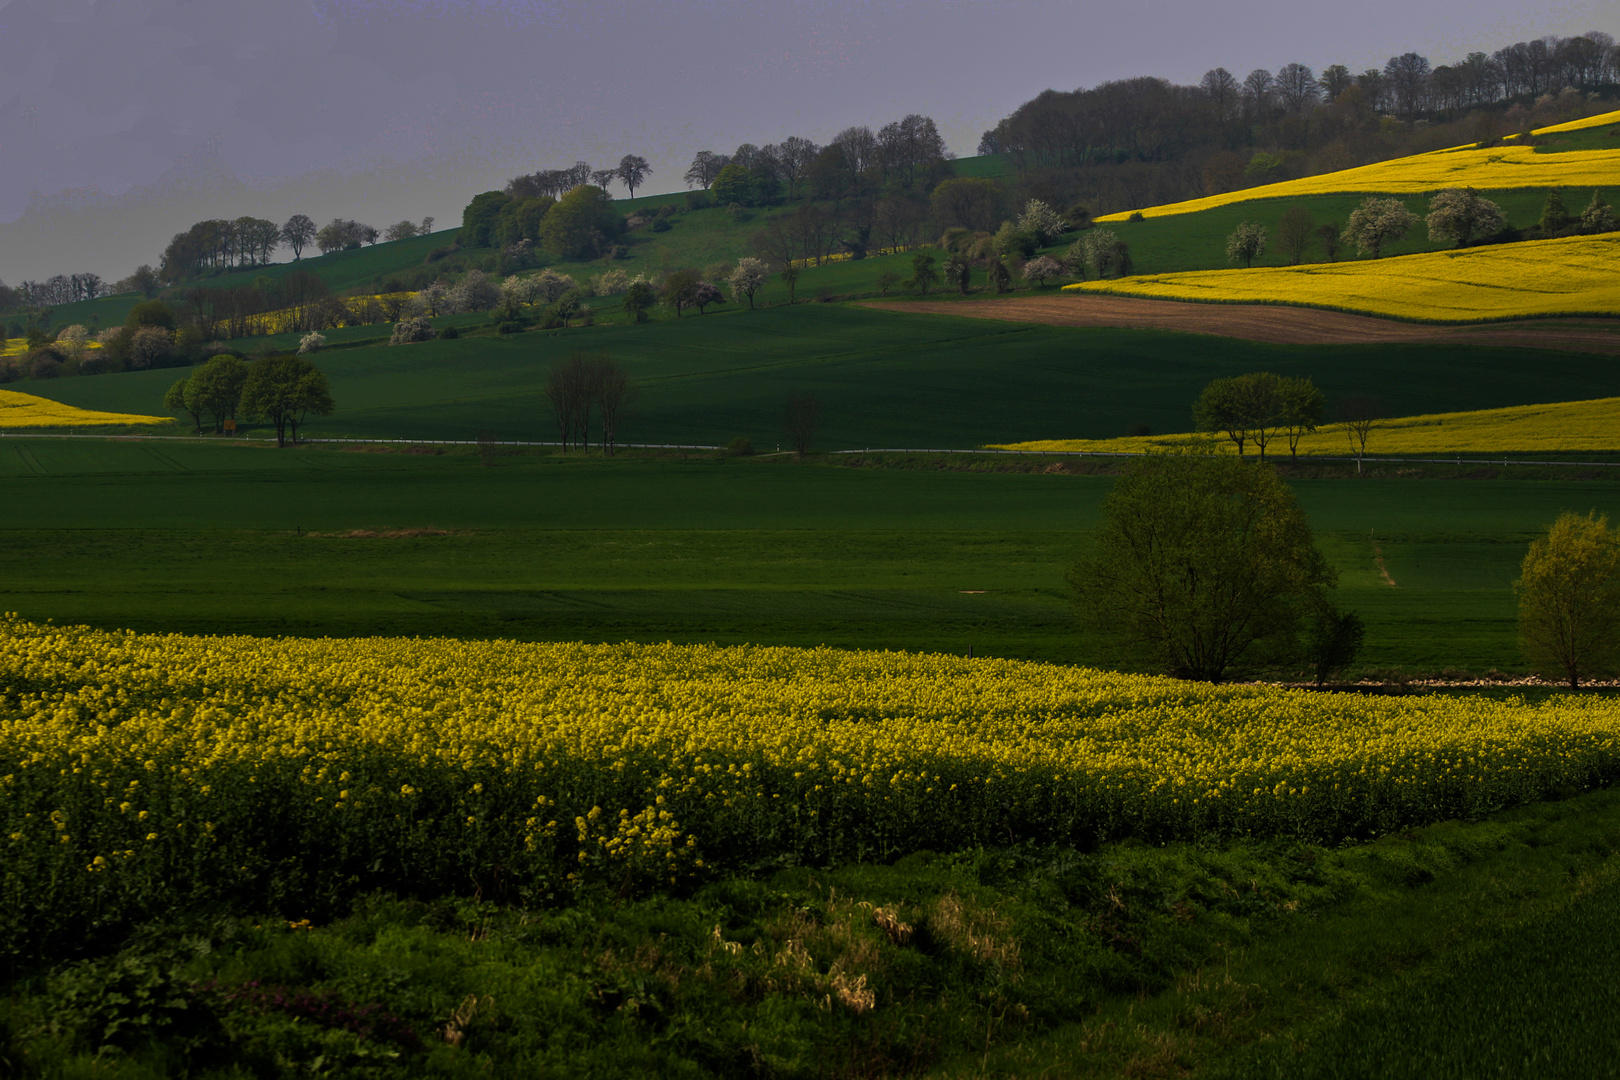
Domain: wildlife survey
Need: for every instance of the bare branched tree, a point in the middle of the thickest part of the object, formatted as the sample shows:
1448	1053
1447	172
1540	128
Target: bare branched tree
802	414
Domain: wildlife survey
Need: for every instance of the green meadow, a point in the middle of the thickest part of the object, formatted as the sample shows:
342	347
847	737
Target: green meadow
921	553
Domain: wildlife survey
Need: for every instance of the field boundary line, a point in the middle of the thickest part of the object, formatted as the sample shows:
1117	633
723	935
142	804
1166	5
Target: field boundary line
1369	459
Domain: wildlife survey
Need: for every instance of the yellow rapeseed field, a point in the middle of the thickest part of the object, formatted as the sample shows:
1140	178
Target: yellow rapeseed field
140	769
1573	275
1494	169
1564	427
27	411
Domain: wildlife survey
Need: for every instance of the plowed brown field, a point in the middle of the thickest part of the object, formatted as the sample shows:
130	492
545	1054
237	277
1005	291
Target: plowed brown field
1266	322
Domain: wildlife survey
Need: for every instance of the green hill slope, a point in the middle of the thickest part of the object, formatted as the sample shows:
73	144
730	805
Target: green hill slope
883	379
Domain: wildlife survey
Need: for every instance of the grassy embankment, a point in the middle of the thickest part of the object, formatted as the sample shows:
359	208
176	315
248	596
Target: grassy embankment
1245	959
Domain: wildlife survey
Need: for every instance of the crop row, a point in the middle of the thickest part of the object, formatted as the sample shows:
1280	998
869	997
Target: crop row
142	772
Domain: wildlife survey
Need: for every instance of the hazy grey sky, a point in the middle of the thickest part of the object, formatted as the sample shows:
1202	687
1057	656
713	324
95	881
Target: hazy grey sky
123	121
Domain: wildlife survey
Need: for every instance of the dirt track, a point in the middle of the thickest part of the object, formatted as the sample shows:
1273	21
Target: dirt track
1266	322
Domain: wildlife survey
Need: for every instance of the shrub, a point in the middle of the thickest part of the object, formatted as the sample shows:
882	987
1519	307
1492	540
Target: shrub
660	224
509	327
312	342
740	447
411	330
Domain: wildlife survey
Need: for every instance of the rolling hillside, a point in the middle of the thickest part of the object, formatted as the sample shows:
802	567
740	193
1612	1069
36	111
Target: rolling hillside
1553	163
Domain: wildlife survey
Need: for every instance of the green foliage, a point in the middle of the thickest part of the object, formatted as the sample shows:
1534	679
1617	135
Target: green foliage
735	184
1205	567
479	218
283	390
1332	640
923	274
1554	215
1013	242
582	225
638	300
150	313
1417	933
1569	599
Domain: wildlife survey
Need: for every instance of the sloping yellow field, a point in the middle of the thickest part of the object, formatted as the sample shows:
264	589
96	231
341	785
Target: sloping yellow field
1494	169
1571	275
27	411
1566	427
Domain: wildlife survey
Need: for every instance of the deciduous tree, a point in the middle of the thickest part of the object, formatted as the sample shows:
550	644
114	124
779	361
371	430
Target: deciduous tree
285	390
632	171
1205	568
1294	232
1376	222
1569	599
297	234
803	414
748	278
1246	243
1457	215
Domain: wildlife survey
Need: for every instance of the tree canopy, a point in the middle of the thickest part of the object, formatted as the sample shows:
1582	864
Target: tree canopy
1205	568
284	390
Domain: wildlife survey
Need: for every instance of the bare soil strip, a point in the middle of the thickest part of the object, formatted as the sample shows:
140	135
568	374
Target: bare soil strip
1267	322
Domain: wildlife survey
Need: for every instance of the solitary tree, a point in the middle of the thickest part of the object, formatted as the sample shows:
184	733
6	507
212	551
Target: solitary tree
1376	222
1204	568
297	234
1246	243
633	170
284	390
802	416
1294	233
1457	215
1569	598
747	278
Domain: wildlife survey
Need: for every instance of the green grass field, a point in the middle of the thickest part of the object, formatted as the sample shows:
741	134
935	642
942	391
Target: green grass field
216	538
882	379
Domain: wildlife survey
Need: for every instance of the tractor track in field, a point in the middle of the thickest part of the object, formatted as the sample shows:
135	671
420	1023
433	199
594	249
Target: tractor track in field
1271	323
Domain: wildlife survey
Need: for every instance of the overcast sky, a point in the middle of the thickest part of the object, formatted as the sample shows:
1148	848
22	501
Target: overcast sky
123	121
